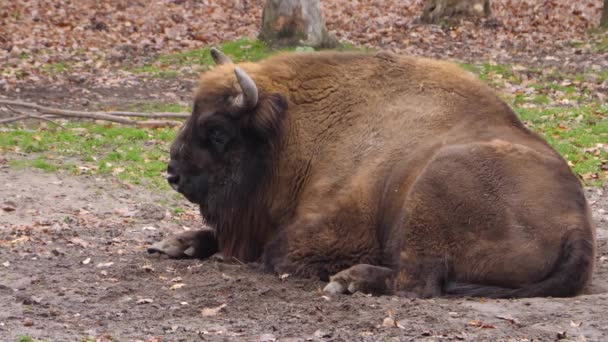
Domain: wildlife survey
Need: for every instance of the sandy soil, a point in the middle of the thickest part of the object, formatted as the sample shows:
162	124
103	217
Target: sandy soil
73	265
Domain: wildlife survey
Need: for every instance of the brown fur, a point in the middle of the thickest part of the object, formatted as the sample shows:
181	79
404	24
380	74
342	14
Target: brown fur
404	164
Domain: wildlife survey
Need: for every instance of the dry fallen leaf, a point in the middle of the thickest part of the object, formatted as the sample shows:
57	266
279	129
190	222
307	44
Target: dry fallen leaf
144	301
80	242
117	170
267	338
208	312
508	318
19	240
575	325
480	324
177	286
390	322
124	212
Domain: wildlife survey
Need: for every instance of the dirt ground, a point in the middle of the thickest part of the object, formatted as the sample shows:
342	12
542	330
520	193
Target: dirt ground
73	265
73	261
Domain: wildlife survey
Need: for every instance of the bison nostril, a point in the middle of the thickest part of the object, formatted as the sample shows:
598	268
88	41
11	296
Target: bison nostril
173	180
171	169
172	176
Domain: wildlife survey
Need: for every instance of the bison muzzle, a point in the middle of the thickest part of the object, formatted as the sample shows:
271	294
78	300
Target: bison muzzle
381	174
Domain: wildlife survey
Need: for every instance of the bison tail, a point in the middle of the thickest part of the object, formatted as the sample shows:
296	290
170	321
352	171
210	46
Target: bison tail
570	275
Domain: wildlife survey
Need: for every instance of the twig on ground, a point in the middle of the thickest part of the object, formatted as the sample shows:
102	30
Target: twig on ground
13	119
118	117
152	115
26	115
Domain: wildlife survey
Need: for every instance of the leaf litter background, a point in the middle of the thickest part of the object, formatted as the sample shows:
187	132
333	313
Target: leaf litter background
96	35
72	248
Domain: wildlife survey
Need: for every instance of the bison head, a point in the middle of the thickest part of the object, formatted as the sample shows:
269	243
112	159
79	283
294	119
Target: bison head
222	153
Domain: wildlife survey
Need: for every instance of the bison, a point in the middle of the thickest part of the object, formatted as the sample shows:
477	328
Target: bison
378	173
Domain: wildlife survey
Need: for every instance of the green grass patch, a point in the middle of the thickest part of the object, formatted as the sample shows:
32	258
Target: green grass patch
602	41
157	107
157	71
198	60
579	134
490	72
27	338
549	87
149	107
133	155
56	68
42	164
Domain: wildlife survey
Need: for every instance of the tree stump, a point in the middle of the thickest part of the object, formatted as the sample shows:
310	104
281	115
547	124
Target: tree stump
295	23
437	10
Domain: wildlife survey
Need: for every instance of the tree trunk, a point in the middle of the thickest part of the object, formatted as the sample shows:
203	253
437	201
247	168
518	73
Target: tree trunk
295	23
437	10
604	20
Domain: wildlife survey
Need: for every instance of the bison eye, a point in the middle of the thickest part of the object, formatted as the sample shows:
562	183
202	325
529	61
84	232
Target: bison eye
218	139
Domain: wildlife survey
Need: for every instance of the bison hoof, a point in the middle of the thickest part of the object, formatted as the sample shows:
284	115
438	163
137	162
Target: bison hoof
361	278
334	287
171	249
190	244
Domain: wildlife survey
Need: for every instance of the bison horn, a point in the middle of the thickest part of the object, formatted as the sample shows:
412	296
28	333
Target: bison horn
219	58
249	95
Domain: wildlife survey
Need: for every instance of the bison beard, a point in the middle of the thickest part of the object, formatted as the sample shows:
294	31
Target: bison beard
381	174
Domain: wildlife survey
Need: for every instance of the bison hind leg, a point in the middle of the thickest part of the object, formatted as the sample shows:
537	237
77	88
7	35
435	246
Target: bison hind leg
191	244
362	278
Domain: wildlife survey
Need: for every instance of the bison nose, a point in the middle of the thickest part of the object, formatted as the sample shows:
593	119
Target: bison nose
172	177
173	181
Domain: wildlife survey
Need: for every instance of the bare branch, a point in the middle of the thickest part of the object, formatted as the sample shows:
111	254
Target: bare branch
70	113
34	116
118	117
152	115
13	119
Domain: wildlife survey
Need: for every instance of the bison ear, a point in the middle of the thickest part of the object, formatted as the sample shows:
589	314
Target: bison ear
219	58
267	120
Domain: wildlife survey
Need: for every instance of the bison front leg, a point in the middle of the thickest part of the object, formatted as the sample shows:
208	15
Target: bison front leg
191	244
324	245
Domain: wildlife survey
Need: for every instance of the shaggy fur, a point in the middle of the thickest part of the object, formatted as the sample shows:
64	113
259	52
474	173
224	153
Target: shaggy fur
385	174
